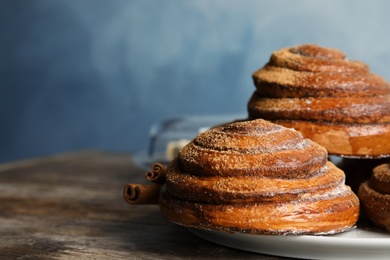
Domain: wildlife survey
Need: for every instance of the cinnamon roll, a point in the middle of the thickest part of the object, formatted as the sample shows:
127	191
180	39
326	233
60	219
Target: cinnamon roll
334	101
374	195
257	177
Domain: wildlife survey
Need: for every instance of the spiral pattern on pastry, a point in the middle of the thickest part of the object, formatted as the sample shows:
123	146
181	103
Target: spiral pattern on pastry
257	177
322	94
374	195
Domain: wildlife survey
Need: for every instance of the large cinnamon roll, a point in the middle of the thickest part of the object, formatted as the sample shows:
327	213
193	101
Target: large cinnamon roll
374	195
334	101
257	177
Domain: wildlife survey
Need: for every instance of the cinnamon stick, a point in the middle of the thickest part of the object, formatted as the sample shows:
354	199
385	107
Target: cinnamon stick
141	194
157	173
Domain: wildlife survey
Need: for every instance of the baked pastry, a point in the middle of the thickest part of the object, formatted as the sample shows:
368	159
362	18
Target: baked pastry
257	177
374	195
334	101
357	171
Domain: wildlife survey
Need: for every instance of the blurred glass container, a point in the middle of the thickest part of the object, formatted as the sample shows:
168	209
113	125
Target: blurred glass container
168	136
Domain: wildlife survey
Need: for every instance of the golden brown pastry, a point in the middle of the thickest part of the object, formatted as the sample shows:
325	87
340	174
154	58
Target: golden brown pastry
334	101
257	177
374	195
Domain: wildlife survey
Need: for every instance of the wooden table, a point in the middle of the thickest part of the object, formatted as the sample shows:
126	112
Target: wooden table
70	206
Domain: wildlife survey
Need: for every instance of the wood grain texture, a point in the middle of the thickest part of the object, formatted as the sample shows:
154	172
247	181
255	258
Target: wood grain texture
70	206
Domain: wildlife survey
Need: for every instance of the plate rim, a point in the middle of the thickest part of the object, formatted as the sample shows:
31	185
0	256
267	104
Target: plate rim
313	247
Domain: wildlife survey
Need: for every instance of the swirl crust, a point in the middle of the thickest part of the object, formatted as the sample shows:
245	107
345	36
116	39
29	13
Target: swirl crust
312	89
374	195
257	177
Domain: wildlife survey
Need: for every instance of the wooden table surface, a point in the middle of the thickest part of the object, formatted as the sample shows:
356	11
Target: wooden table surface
70	206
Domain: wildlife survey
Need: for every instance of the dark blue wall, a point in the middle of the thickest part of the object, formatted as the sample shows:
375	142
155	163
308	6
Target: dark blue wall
78	74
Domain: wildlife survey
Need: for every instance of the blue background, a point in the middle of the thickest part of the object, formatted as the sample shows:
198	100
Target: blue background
80	74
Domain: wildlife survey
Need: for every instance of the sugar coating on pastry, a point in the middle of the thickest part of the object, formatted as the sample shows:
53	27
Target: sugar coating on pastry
257	177
327	97
374	195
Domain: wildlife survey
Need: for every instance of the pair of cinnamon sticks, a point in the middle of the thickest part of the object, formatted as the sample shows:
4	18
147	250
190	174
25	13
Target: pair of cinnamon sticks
146	193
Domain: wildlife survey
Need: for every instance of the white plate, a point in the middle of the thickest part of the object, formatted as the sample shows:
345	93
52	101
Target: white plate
355	244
